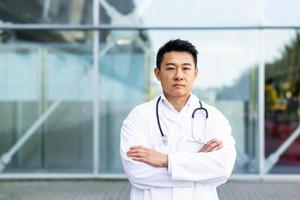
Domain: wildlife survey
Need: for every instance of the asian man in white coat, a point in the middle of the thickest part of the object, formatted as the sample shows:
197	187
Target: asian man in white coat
175	146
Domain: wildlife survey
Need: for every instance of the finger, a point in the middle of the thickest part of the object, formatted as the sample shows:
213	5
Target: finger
212	140
213	144
216	148
204	148
144	160
136	154
139	152
137	147
135	150
137	159
210	145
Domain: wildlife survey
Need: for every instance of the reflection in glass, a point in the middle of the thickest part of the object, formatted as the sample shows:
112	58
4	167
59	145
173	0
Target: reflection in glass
282	108
46	12
195	13
36	79
281	13
228	80
124	65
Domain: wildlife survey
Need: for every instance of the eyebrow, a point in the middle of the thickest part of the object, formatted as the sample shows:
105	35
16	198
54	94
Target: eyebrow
173	64
170	64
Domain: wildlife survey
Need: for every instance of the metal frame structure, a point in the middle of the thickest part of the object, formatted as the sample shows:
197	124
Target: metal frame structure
96	27
105	27
96	50
261	105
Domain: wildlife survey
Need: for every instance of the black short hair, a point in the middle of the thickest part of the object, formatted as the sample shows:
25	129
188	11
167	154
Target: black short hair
176	45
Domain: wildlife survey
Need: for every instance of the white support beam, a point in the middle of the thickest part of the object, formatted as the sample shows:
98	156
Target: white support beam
274	157
96	50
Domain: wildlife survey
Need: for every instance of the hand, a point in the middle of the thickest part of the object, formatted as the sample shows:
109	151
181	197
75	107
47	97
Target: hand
212	145
149	156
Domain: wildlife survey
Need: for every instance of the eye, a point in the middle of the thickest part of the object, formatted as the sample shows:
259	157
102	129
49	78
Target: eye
186	68
170	68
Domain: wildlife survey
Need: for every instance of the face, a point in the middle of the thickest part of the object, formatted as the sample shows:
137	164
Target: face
177	74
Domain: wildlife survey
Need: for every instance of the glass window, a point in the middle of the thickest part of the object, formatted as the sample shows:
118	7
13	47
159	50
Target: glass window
46	12
46	78
45	89
284	13
179	13
282	102
124	66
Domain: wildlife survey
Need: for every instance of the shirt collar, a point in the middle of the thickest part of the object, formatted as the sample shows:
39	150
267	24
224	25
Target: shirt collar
170	106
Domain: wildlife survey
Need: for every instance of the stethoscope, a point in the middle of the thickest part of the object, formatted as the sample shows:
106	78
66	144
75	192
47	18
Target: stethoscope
164	137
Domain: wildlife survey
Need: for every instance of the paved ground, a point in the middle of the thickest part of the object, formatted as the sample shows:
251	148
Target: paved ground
119	190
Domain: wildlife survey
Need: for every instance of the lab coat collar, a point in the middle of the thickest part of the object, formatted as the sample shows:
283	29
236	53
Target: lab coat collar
170	112
194	101
170	106
166	103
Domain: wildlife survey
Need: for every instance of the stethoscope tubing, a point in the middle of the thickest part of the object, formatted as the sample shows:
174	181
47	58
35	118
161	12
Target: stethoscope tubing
164	137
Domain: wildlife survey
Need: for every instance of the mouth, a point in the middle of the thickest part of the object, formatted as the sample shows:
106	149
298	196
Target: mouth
178	85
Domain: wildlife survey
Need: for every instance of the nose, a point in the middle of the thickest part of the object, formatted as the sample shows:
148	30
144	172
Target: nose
178	74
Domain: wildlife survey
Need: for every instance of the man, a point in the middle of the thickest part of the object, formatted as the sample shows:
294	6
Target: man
174	146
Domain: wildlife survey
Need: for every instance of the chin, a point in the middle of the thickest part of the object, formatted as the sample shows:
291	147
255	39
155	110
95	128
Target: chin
179	94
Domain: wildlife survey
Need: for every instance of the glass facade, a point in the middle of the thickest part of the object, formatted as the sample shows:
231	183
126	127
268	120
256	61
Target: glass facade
54	121
46	93
123	83
282	100
46	12
179	13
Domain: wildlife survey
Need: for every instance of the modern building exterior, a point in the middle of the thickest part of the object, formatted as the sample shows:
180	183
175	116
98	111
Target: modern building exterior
70	71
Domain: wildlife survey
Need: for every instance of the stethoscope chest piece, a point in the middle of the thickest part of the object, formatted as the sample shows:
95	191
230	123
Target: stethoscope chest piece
165	140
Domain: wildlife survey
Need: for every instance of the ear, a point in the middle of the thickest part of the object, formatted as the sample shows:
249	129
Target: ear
157	73
196	72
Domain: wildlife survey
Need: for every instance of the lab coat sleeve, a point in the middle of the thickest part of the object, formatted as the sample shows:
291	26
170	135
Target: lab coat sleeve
141	175
209	168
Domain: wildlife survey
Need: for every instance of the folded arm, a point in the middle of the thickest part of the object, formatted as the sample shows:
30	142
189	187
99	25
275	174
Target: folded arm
207	167
147	168
140	174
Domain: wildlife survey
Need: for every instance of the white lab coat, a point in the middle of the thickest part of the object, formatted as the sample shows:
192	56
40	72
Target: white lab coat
190	174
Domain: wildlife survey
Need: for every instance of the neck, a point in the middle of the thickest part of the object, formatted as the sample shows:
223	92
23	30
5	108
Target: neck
177	102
